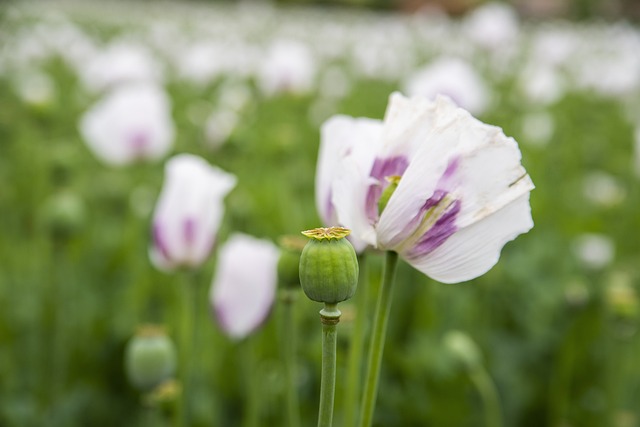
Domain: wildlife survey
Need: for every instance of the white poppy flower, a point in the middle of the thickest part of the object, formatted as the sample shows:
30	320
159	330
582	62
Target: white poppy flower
188	212
244	286
454	78
462	192
287	67
130	123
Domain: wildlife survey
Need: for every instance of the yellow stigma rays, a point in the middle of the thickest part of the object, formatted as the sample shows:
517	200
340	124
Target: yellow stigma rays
327	233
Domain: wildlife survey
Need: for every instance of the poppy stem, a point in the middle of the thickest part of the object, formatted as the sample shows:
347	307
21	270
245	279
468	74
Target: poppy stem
378	336
489	395
330	316
354	370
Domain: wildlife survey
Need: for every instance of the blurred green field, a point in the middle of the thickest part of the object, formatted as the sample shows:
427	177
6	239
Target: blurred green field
556	320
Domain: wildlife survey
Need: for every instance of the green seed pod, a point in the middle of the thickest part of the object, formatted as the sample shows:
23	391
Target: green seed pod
150	358
328	266
289	261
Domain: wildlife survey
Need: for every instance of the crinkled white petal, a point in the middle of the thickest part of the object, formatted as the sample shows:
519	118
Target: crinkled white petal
473	250
244	286
190	208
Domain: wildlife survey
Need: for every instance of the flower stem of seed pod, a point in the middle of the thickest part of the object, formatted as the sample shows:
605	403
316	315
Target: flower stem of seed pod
289	347
489	395
378	335
330	316
351	401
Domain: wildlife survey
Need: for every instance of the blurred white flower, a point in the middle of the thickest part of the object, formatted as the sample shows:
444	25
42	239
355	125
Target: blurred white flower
35	88
244	286
288	67
538	128
200	63
454	78
541	83
188	212
492	26
334	83
442	189
593	250
120	62
219	126
603	189
131	123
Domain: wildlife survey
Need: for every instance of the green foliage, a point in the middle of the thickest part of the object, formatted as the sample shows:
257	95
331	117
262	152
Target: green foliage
76	281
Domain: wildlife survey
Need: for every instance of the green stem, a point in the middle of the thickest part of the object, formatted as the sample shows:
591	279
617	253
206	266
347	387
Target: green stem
354	370
489	395
289	344
378	335
330	316
253	380
187	343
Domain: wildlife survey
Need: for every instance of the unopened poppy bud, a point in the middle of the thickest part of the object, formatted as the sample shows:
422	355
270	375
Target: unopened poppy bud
289	261
150	358
64	214
463	348
328	265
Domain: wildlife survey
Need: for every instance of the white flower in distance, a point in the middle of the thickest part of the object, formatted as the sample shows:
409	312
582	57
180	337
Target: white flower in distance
492	26
454	78
244	286
461	192
188	212
120	62
129	124
288	67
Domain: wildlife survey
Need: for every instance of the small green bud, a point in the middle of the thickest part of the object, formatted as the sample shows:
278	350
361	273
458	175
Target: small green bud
328	266
64	214
393	181
463	348
289	261
150	358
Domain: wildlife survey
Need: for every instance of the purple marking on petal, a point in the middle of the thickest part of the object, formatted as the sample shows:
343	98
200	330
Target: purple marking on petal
160	242
139	142
328	210
438	234
381	169
189	231
447	180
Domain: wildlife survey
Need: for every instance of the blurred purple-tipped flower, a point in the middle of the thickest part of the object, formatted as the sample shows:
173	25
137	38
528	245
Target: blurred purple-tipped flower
188	212
244	286
437	186
130	123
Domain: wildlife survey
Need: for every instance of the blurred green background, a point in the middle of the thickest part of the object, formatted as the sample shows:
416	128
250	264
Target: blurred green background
556	320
